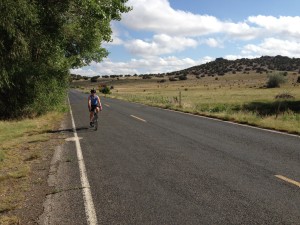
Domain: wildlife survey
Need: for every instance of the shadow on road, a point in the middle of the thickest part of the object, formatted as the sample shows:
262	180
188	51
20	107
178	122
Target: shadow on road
78	130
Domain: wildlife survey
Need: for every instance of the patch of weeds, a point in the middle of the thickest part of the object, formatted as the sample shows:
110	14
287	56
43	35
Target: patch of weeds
23	172
9	220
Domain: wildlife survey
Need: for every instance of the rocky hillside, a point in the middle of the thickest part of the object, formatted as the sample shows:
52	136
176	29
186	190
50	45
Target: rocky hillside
263	64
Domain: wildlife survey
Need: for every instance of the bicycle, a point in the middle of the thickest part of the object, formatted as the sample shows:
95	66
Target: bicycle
95	120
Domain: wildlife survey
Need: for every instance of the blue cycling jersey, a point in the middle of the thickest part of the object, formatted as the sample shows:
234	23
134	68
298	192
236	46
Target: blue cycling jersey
94	99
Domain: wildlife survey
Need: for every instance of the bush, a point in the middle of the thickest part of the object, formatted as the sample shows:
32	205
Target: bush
298	79
172	79
182	77
162	81
94	79
275	80
105	90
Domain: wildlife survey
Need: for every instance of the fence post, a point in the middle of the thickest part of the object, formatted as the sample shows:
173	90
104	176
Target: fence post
180	99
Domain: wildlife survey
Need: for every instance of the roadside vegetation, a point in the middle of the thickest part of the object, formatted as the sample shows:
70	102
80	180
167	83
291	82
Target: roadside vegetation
41	41
235	96
24	144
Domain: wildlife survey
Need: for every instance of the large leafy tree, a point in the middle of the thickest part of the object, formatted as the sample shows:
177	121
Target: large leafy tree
41	40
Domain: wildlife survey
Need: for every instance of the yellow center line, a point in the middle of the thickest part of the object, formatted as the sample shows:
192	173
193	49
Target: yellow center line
107	105
138	118
288	180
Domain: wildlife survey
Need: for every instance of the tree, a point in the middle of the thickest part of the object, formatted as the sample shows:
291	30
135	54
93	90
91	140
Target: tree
41	41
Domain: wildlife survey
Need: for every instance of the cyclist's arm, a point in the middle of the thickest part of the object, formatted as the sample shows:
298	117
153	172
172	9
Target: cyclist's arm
99	102
89	104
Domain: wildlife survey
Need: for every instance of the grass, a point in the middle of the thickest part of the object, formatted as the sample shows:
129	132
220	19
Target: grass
21	145
236	97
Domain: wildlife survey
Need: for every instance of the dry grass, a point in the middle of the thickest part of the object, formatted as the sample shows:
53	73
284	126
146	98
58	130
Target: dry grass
20	147
237	97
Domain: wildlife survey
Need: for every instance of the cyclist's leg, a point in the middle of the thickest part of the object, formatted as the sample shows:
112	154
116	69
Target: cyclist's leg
91	115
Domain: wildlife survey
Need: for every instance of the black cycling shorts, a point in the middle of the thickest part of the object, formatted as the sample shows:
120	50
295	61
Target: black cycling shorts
93	107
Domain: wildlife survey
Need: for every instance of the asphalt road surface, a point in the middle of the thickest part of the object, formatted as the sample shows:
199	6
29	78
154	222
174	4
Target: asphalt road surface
152	166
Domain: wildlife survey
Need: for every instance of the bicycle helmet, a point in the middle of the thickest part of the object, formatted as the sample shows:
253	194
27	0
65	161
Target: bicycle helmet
93	91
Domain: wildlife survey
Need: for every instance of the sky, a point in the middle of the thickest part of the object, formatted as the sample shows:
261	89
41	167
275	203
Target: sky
160	36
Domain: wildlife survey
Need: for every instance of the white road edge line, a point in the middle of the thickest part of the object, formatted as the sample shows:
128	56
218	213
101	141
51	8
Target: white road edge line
288	180
234	123
138	118
86	189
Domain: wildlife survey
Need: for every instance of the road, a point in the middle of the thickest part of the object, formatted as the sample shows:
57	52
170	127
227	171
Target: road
152	166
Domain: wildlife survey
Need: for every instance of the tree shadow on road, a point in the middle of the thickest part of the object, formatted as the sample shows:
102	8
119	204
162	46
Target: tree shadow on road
78	130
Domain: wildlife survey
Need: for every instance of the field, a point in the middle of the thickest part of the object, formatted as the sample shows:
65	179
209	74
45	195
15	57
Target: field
236	97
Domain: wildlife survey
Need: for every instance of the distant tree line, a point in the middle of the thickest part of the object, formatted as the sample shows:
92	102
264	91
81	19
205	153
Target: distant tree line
221	66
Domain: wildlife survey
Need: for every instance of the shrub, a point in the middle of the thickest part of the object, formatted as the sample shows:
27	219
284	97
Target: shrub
162	81
172	79
275	80
182	77
105	90
298	79
94	79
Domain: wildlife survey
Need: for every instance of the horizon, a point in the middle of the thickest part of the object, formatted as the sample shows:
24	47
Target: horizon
168	35
218	58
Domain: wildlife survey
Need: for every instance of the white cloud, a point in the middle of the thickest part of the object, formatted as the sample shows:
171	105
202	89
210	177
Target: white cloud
214	43
140	66
273	47
159	17
84	72
234	57
285	26
161	44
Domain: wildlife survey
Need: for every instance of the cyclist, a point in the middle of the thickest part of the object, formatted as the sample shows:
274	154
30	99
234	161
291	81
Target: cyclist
93	103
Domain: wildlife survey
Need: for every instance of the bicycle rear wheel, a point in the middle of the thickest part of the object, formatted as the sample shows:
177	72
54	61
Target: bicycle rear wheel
95	121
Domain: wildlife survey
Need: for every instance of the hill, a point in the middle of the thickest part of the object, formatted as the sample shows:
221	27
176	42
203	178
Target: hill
264	64
219	67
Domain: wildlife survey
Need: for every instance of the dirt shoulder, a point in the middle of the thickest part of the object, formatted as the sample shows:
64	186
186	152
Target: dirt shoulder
26	149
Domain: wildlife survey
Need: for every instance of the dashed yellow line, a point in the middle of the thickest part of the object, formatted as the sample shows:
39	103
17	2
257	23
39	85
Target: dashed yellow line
288	180
138	118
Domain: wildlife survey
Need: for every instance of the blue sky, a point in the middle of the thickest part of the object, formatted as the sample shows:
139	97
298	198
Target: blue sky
167	35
